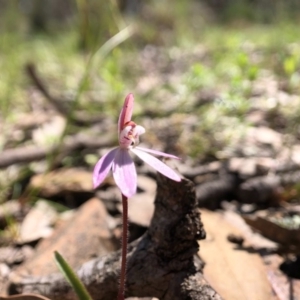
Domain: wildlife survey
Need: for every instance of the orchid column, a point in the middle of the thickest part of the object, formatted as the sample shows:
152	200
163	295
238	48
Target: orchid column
124	172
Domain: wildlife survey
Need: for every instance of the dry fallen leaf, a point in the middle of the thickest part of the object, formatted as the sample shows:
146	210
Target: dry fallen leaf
285	287
262	222
90	226
252	238
37	223
234	273
25	297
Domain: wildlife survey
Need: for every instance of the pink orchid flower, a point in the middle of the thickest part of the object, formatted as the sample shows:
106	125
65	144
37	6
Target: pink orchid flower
119	159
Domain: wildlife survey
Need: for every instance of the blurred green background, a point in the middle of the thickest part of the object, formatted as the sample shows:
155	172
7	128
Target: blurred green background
175	56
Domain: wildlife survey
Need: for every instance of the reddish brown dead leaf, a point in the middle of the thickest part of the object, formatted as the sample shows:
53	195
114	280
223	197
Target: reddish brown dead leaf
281	284
82	238
25	297
235	274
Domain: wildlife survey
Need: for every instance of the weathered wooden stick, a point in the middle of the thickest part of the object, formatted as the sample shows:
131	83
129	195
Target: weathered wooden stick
26	154
163	263
78	118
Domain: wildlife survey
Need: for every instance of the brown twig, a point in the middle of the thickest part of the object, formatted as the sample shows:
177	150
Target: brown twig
78	118
28	154
38	82
163	263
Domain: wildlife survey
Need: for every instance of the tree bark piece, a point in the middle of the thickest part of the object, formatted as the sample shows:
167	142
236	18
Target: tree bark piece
211	193
163	263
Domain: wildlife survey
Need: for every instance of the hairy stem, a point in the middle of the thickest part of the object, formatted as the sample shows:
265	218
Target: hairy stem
124	248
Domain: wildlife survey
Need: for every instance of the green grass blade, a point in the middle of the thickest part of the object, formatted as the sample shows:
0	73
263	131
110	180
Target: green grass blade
72	278
99	55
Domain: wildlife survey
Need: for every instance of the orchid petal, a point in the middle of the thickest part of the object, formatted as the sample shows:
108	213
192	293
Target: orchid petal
124	173
103	166
126	112
156	164
155	152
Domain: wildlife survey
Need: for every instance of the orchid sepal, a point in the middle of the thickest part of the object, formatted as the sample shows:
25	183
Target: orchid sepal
158	153
156	164
126	112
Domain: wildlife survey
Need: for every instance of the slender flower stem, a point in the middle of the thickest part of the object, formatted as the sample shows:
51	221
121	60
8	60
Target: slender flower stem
124	248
